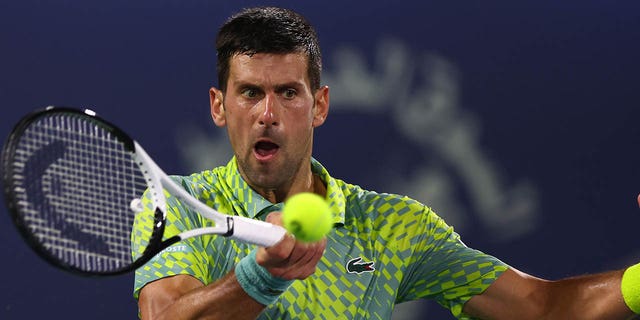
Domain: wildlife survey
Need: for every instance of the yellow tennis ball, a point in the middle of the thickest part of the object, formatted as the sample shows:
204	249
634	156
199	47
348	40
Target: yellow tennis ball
307	216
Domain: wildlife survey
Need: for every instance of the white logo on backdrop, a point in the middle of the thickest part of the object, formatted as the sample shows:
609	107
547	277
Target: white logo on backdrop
420	94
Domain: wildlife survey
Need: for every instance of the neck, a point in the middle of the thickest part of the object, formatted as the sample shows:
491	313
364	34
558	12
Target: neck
311	183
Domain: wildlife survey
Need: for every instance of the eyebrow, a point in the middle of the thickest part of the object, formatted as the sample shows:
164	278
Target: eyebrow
287	85
278	87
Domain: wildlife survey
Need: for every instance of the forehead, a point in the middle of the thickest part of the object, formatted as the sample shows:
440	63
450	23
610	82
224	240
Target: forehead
269	67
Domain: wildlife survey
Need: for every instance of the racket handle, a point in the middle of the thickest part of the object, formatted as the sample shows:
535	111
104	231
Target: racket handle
257	232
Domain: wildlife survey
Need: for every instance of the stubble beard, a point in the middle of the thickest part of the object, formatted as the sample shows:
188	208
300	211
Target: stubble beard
276	176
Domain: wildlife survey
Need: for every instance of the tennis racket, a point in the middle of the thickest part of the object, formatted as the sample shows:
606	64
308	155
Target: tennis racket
73	184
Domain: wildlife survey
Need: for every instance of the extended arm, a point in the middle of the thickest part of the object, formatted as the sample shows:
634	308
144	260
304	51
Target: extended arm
185	297
516	295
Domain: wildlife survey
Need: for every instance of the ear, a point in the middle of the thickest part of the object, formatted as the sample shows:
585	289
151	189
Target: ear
321	109
216	99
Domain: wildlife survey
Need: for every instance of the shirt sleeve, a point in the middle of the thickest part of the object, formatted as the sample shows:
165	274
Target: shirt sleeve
185	257
445	269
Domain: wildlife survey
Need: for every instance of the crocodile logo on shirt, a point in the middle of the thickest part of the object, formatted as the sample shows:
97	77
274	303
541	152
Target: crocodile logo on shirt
355	266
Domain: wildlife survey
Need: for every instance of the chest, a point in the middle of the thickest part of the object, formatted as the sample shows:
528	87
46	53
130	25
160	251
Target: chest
357	278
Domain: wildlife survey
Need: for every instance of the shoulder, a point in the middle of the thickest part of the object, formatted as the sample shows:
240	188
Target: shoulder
382	213
206	186
387	215
373	204
201	182
212	177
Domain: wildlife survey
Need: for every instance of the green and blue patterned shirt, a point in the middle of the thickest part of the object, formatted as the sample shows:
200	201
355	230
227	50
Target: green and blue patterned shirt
384	249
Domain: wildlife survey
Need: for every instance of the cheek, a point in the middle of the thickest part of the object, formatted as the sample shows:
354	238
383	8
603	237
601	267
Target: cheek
302	115
236	130
298	120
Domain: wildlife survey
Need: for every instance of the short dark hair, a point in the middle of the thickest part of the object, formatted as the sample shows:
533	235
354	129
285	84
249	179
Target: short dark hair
268	30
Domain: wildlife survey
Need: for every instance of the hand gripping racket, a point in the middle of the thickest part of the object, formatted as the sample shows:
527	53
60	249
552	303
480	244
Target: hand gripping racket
73	184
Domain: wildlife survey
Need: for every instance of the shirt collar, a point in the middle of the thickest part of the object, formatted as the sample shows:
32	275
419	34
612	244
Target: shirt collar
251	204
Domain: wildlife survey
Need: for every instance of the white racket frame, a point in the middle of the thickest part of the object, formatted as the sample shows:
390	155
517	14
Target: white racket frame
244	229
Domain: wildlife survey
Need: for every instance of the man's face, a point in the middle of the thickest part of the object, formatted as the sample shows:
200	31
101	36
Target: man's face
270	113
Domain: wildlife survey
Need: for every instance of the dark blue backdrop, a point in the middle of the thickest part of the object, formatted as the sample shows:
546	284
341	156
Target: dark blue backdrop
516	121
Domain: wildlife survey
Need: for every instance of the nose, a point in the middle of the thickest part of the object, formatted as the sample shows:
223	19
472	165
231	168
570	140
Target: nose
269	115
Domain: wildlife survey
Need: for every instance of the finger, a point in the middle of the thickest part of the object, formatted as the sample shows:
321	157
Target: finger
277	254
306	265
305	251
315	253
319	251
302	253
639	200
274	218
312	265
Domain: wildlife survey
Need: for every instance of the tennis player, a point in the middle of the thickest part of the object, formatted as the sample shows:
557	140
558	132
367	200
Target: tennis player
384	249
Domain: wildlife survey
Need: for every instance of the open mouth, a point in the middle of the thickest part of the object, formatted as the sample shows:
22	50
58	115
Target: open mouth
265	149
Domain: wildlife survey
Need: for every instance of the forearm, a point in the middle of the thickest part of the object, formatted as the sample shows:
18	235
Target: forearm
257	280
517	295
223	299
587	297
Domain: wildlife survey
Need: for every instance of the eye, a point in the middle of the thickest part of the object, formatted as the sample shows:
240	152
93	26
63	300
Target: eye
289	93
250	93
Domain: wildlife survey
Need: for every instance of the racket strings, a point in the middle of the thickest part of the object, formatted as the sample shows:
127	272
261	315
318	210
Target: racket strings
75	180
